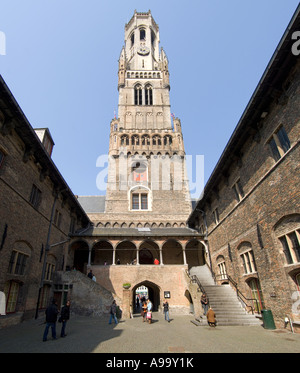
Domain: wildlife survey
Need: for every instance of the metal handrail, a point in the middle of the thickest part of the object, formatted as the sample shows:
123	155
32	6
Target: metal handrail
239	294
194	278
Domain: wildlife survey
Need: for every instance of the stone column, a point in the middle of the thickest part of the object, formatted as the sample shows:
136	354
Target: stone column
114	256
126	303
184	255
90	256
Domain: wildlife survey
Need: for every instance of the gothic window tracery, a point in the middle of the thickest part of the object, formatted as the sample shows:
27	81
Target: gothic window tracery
135	140
167	140
156	140
145	140
148	95
138	95
124	140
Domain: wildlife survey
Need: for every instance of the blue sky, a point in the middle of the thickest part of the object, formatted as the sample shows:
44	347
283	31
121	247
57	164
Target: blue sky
61	65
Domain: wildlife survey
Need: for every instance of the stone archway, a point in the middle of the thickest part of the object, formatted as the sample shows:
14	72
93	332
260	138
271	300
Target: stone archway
153	293
80	252
172	252
148	251
103	253
195	253
126	252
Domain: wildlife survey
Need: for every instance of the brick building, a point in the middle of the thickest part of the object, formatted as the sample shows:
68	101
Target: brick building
37	213
245	226
250	208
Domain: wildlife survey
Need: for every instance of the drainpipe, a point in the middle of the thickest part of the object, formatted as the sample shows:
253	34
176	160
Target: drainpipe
45	256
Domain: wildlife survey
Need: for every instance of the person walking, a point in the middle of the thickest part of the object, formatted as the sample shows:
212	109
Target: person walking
51	318
144	310
64	316
166	310
113	311
149	311
204	302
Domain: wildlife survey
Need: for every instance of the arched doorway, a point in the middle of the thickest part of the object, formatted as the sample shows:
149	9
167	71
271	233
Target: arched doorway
153	294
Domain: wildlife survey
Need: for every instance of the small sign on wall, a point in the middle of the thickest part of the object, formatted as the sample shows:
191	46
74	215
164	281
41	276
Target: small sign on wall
167	294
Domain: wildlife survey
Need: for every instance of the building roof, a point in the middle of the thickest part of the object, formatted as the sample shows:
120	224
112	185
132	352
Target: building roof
138	232
270	87
92	204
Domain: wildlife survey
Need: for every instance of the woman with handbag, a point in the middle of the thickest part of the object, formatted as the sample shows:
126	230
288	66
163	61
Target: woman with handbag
144	310
149	311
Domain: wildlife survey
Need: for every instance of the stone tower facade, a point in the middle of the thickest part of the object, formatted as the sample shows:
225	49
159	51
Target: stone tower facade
143	220
147	180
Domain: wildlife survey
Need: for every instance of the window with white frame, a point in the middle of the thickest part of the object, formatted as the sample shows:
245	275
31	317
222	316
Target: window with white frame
222	270
140	199
291	246
248	261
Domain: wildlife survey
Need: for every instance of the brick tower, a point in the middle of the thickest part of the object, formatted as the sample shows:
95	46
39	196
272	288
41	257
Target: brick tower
139	233
146	179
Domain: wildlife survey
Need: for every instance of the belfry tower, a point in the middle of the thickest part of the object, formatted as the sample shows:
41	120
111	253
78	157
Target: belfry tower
139	233
147	181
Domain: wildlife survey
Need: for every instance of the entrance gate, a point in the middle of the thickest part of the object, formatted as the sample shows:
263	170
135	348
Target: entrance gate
153	294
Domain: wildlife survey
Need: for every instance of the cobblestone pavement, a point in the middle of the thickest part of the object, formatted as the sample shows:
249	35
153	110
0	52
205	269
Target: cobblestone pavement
95	335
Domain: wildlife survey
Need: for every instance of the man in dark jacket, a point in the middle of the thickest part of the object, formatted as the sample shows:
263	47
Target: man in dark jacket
166	310
64	315
51	318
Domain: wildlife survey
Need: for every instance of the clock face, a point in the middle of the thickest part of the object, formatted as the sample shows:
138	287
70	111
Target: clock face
143	50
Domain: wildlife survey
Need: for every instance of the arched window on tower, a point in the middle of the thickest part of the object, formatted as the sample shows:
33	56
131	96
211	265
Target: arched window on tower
138	95
156	140
152	38
167	140
132	39
124	140
142	34
145	140
135	140
148	95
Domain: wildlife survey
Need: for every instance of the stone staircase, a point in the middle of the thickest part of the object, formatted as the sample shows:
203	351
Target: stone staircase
223	300
88	297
